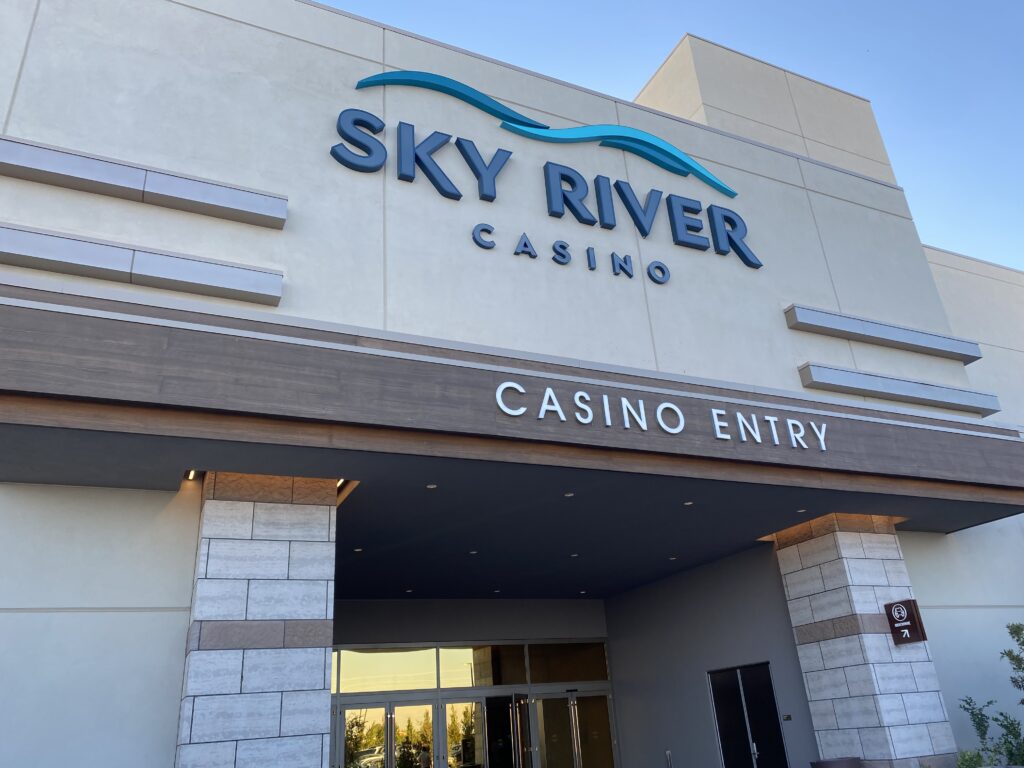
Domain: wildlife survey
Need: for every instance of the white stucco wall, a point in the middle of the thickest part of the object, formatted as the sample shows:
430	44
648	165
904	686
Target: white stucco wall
970	585
94	605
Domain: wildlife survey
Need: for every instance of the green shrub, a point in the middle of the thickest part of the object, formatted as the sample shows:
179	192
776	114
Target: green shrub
1008	747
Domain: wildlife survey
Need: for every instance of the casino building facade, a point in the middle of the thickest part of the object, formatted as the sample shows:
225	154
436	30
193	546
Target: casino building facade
370	403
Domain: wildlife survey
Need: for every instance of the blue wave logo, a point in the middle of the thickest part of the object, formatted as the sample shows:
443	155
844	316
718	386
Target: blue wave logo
646	145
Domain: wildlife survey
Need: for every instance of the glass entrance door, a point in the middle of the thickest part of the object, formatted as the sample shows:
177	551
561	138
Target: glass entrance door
390	735
508	732
574	731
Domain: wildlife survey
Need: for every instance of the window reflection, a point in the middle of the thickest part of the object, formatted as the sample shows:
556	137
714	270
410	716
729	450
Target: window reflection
465	731
388	669
483	665
364	738
567	662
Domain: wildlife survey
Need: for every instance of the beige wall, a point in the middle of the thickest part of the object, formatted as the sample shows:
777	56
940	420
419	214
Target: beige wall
970	585
726	89
985	303
93	614
140	82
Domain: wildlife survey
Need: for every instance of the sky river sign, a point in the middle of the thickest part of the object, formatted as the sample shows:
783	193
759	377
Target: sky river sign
600	203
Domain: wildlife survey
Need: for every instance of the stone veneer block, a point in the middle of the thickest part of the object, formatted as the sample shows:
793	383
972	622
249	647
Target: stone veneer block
291	522
233	717
185	721
305	712
826	684
284	669
818	551
219	599
290	752
308	633
875	743
856	712
287	600
209	672
214	755
884	546
910	740
229	559
241	634
311	560
226	520
842	652
839	743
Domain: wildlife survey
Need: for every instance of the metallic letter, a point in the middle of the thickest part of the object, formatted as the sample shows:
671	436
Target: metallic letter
411	154
820	433
640	417
478	236
499	398
550	403
745	427
560	252
525	246
581	399
642	217
772	420
559	197
728	231
679	415
658	272
796	433
622	264
720	424
605	204
486	173
349	123
682	225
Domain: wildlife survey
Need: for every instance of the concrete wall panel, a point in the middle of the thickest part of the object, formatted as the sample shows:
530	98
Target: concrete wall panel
664	638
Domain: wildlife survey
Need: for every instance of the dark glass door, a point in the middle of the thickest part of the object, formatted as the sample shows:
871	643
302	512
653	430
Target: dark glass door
508	732
748	719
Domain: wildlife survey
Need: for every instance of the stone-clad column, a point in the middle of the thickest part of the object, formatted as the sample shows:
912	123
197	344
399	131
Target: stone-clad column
869	698
256	688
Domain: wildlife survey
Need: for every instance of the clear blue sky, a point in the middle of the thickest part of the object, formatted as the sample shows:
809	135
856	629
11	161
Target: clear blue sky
946	79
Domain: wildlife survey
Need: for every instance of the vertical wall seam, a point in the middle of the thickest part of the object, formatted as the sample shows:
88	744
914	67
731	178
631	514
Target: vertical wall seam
639	258
21	66
824	255
796	113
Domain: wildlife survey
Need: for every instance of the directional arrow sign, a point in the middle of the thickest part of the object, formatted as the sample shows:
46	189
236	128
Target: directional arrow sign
905	622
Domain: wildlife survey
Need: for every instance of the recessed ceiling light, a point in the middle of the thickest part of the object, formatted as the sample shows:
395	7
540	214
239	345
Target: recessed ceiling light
583	591
687	503
431	486
473	552
341	481
575	554
191	475
408	591
672	558
497	591
801	511
358	549
568	494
